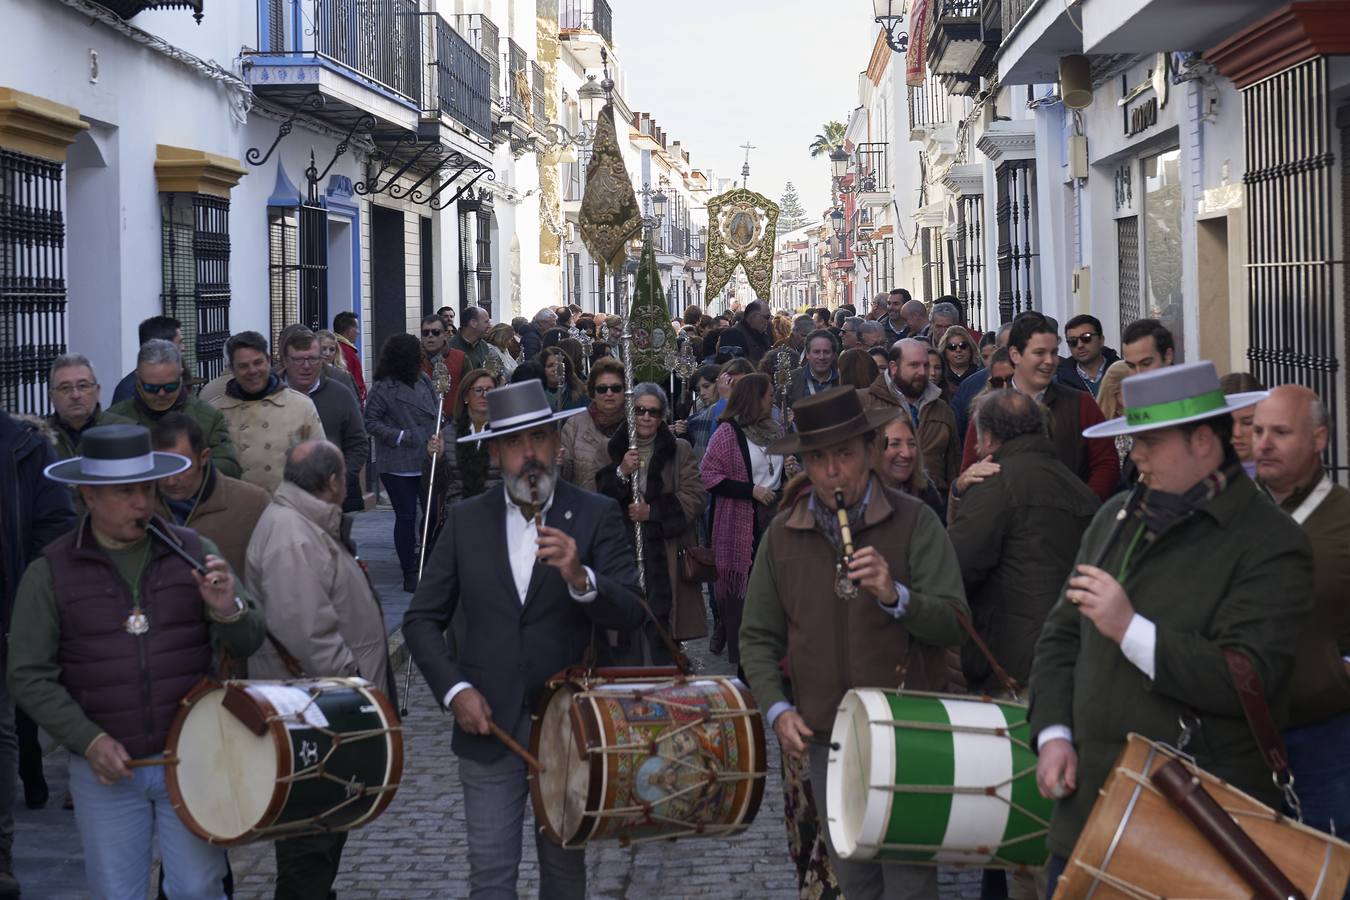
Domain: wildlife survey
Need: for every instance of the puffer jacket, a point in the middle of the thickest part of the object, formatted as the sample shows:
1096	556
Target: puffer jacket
402	418
585	450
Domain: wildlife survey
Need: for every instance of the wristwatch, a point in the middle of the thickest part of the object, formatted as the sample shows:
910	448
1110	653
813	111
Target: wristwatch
233	617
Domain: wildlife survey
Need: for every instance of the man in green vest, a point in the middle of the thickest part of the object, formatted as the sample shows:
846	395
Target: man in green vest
1193	563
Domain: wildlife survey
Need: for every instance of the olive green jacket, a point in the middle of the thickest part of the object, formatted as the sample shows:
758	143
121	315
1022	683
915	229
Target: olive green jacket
1236	573
214	428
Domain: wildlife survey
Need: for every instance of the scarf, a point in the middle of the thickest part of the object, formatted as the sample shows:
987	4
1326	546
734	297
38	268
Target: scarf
606	425
733	527
645	448
1159	510
827	521
237	392
762	433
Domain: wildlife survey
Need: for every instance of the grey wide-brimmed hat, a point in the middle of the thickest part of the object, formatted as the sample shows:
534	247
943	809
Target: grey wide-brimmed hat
1172	396
516	407
116	454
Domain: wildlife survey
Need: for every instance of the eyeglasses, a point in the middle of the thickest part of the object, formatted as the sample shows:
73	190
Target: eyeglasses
305	362
649	411
998	381
432	332
958	345
68	390
479	391
608	389
170	388
1083	339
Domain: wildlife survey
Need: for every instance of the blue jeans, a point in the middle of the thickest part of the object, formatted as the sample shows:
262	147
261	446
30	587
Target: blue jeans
1053	870
117	823
402	491
1321	770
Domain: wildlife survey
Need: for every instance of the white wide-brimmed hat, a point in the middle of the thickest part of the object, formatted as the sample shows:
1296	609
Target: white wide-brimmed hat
1172	396
116	454
516	407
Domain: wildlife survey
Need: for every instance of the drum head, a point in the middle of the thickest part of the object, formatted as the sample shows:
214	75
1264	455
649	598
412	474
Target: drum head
226	774
565	782
853	768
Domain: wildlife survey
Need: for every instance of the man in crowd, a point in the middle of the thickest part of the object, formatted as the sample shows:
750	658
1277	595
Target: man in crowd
266	417
946	313
160	390
532	333
1033	344
820	371
585	439
436	344
346	326
849	333
1146	345
1015	534
871	334
692	316
111	630
155	328
752	334
908	592
33	513
894	322
1289	436
320	606
1089	357
338	410
218	507
1203	566
907	384
538	599
974	383
801	327
447	314
469	338
878	309
73	390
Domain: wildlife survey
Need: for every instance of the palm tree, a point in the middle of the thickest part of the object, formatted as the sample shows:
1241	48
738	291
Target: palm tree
831	136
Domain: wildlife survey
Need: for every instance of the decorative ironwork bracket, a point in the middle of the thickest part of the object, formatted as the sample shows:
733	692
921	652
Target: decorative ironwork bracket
441	160
312	102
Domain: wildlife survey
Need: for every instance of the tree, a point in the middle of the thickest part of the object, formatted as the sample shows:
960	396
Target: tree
830	137
791	215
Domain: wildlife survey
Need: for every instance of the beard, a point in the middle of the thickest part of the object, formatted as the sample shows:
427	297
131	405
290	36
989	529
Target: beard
518	485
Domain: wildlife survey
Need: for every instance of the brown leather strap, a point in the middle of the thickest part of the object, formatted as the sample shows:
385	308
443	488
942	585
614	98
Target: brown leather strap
1253	698
1009	683
288	659
1188	795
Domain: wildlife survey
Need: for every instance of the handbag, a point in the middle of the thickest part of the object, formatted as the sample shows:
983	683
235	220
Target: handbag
698	565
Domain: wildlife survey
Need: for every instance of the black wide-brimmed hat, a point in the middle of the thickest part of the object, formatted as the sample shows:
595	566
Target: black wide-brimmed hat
116	454
516	407
1176	395
828	418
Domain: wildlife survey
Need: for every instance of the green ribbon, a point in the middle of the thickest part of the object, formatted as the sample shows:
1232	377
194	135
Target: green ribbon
1173	410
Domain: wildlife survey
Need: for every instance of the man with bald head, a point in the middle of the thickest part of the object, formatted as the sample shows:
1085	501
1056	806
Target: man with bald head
1289	435
915	315
319	604
907	383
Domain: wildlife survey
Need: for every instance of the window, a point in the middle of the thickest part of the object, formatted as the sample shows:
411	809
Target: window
1018	273
483	256
970	259
1160	289
1127	263
283	268
195	268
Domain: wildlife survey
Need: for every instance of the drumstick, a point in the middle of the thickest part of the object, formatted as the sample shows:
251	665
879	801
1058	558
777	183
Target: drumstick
514	747
152	761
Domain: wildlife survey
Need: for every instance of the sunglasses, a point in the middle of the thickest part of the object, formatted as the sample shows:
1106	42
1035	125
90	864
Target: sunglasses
170	388
958	345
432	332
998	381
608	389
650	411
1083	339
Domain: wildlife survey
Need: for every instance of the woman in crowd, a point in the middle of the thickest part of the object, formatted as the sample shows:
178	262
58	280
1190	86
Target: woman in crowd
585	439
503	345
668	500
1108	398
900	465
988	344
463	470
401	416
561	385
577	362
743	479
880	357
857	369
600	350
780	330
959	358
1241	383
328	349
935	367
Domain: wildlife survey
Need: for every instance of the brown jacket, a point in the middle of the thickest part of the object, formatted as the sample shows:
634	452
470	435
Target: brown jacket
939	440
227	516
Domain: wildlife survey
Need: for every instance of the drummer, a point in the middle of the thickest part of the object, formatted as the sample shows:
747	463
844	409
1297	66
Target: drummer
905	611
533	599
103	608
1203	564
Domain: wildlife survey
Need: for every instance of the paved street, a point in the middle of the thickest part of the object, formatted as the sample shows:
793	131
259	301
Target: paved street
417	848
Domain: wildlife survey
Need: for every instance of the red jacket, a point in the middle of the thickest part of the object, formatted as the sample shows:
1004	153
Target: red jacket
352	358
1071	410
454	363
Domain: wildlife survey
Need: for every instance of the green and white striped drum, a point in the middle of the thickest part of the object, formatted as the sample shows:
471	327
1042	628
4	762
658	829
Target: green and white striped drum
934	778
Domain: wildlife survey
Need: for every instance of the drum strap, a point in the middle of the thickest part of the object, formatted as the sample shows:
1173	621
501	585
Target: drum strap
1009	683
1268	738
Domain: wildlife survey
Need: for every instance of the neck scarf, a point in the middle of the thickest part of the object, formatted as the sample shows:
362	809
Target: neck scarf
237	392
827	522
764	432
1159	510
606	425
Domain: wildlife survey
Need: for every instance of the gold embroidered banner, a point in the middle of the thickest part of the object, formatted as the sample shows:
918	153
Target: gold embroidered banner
741	230
609	209
653	335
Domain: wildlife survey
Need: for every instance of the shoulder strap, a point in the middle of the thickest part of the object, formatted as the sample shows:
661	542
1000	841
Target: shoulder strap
1009	683
1253	698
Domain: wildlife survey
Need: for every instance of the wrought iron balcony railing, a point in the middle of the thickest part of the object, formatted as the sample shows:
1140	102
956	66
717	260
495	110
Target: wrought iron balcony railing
1013	11
463	80
375	38
517	88
587	15
872	167
537	108
482	34
927	103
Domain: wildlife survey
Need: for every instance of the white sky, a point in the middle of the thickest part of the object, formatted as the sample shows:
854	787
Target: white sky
714	73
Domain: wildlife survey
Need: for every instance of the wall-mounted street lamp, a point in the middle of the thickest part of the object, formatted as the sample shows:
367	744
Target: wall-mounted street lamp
889	14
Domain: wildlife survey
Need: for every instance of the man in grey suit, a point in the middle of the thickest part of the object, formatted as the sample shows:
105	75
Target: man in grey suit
532	598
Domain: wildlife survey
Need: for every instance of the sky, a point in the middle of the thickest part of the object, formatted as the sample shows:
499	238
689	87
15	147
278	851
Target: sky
716	73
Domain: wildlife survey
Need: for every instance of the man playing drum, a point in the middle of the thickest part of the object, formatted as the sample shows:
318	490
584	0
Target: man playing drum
111	630
876	618
540	568
1166	580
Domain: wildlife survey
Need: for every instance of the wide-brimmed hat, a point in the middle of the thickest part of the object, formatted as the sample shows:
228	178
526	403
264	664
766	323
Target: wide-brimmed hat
1172	396
116	454
828	418
516	407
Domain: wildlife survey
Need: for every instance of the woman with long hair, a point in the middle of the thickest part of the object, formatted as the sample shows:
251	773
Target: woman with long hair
857	369
960	357
463	470
328	349
743	478
900	464
1108	398
401	416
503	345
668	502
1241	383
561	385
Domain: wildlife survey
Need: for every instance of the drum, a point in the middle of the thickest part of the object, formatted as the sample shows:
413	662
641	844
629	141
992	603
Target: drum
261	760
634	757
937	779
1136	844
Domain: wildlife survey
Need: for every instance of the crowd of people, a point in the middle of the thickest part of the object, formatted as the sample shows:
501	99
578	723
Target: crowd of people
981	474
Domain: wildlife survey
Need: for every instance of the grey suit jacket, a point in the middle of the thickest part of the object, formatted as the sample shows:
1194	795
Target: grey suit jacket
509	649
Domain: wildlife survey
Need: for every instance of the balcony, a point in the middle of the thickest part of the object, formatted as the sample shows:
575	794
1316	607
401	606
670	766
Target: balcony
586	28
956	48
871	162
128	8
927	108
538	110
517	87
463	80
482	34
